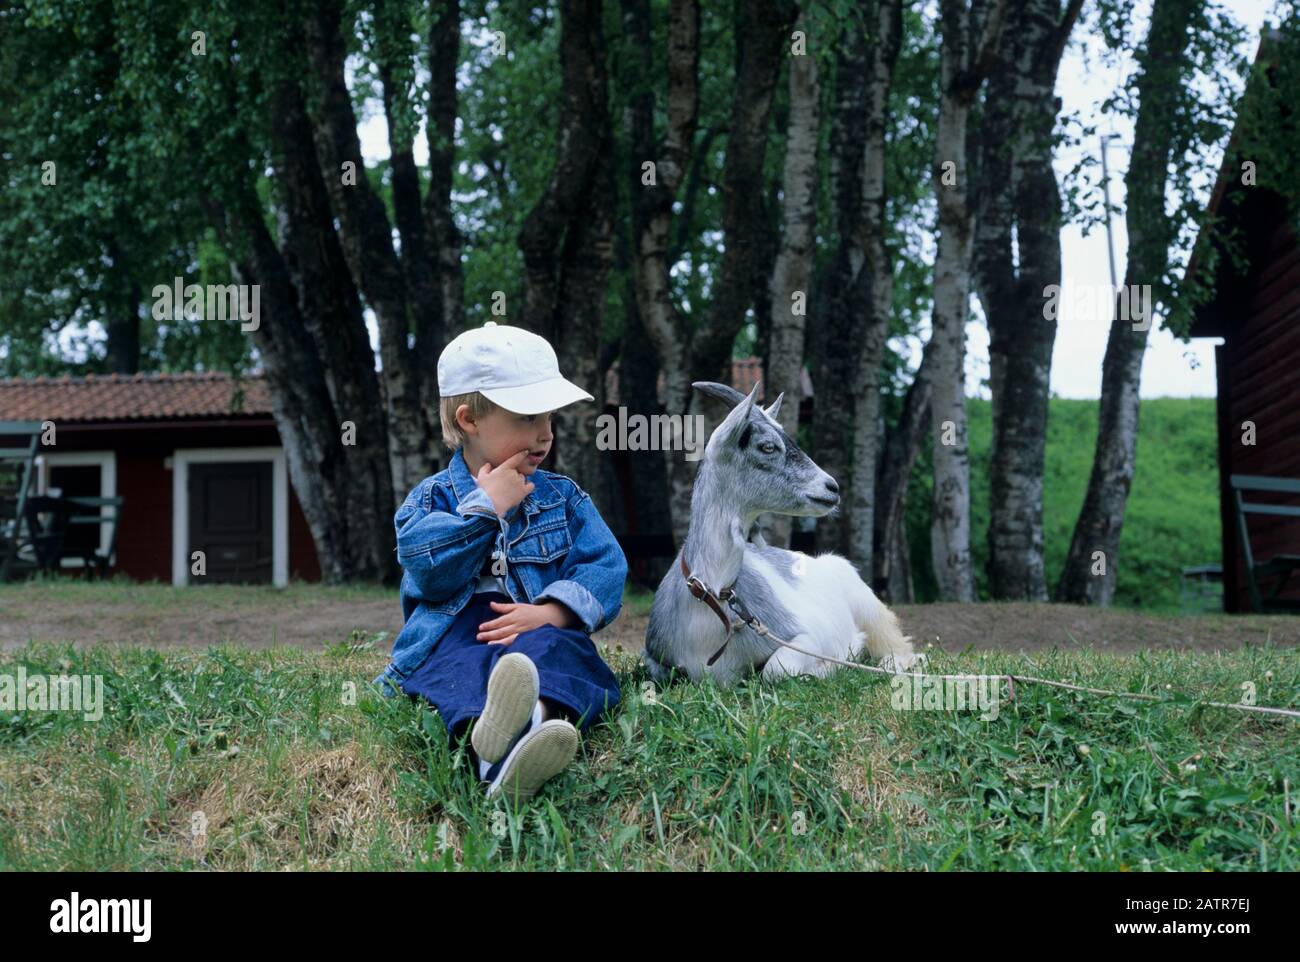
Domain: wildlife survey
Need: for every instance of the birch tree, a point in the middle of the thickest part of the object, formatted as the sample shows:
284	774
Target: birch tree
791	278
855	294
1017	259
970	33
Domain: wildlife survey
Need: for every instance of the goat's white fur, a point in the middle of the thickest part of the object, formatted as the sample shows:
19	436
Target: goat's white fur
838	613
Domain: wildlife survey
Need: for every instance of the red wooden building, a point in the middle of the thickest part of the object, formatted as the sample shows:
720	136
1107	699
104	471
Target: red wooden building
1256	310
197	460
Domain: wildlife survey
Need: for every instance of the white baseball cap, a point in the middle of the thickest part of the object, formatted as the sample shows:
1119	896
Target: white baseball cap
509	366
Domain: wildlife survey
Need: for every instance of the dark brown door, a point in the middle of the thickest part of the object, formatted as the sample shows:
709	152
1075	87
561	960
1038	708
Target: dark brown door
230	520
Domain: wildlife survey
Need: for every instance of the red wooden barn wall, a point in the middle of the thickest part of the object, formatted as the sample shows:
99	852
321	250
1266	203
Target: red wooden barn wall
1259	381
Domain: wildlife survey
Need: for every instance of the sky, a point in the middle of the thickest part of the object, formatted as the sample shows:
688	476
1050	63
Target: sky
1171	368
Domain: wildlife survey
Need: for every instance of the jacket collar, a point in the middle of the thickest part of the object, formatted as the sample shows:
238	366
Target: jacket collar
543	495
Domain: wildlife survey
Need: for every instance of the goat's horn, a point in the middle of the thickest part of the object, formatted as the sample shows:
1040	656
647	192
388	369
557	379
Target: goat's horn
722	392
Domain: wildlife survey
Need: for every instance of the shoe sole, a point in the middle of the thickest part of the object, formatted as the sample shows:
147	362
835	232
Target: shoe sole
512	694
540	755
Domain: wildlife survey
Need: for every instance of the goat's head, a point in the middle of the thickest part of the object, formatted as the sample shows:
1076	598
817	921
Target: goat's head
761	467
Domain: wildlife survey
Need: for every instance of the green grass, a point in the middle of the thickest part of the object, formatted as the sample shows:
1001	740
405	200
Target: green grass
1172	521
805	774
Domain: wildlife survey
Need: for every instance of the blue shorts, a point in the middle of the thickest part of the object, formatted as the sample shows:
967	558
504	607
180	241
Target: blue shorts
454	676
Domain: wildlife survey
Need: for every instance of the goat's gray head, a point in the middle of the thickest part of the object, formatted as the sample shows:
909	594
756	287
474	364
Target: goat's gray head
759	465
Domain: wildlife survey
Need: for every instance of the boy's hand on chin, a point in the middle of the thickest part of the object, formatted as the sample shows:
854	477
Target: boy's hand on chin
505	484
514	619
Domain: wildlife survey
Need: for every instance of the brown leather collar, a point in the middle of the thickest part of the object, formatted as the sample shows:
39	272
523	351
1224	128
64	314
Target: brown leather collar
701	591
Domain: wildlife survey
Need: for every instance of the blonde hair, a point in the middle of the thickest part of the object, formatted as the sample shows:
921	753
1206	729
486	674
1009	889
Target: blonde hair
479	407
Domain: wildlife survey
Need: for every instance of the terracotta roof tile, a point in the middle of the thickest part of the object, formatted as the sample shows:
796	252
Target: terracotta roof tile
126	397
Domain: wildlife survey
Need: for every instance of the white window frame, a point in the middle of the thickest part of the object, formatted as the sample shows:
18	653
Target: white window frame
106	461
182	458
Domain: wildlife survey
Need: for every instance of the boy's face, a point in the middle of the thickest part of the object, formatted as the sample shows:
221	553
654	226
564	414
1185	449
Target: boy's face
503	434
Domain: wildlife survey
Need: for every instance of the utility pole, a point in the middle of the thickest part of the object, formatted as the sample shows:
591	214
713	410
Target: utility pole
1105	189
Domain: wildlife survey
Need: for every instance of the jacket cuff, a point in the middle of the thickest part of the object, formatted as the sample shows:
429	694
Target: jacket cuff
584	604
477	502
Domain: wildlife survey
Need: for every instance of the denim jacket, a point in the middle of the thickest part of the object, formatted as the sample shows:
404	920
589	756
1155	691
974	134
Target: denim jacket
558	548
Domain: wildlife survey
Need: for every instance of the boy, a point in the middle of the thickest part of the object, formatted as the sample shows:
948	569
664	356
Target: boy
508	570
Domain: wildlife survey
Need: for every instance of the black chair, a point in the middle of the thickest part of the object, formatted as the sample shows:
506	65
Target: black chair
1279	566
83	511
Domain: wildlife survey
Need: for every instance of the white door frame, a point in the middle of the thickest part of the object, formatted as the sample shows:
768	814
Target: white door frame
181	461
107	463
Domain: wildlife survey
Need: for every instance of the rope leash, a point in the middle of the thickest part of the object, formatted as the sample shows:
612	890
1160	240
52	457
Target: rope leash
744	615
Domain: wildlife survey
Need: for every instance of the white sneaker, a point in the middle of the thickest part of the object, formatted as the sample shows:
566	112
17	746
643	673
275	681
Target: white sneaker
540	755
512	694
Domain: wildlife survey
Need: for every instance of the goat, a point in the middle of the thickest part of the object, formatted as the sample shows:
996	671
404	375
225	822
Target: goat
751	465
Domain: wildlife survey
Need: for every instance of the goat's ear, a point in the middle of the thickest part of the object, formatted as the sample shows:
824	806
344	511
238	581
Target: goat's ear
773	408
734	424
722	392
